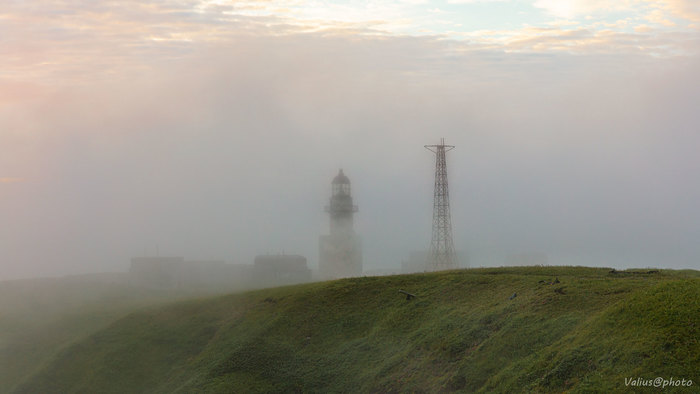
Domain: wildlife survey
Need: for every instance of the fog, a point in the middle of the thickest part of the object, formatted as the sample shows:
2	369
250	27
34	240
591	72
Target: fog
228	152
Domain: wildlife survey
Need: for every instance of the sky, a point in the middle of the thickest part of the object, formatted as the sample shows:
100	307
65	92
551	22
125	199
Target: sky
212	129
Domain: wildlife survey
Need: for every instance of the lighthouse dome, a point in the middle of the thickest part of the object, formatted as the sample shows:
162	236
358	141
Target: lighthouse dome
341	179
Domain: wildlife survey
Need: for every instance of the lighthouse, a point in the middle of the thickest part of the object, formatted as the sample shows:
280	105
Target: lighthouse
340	252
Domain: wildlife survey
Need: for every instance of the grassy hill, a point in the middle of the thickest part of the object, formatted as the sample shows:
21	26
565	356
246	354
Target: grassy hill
464	331
40	317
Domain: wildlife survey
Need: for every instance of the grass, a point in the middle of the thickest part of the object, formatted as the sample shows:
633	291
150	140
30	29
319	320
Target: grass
40	317
462	332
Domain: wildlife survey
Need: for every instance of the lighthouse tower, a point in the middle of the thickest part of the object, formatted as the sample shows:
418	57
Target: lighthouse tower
340	252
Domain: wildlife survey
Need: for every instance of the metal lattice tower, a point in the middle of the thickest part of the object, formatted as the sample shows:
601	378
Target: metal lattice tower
442	254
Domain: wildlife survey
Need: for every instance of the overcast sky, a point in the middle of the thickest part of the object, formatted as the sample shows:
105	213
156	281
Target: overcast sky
212	129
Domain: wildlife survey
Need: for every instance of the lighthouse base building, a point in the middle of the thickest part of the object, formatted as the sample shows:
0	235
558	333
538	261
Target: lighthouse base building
340	256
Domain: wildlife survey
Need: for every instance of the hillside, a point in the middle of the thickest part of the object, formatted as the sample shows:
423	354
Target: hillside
39	317
464	331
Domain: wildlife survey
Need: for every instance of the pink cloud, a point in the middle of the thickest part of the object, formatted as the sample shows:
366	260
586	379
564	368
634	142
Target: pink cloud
11	180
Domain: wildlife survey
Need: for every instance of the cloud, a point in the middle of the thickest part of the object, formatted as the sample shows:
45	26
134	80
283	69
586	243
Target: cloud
219	154
686	9
575	8
574	141
78	41
585	40
658	17
11	180
475	1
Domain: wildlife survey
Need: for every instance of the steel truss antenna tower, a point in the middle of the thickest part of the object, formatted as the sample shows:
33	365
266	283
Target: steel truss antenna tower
442	251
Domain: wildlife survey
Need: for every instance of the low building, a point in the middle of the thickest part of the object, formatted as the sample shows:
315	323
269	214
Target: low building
177	273
280	270
156	272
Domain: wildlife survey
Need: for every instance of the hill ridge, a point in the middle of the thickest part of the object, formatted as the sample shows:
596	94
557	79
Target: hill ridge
464	331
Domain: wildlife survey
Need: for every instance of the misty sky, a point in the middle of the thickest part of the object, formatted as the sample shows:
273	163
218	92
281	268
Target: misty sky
212	129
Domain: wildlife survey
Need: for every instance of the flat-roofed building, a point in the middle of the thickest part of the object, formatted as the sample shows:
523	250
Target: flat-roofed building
281	269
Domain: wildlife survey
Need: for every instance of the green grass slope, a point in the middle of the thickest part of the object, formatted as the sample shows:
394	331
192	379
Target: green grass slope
462	332
40	317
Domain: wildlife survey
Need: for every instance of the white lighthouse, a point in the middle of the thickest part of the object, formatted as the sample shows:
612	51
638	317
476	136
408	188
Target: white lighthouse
340	252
